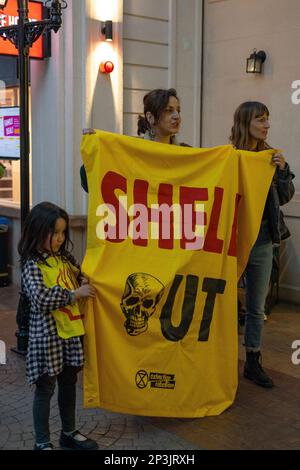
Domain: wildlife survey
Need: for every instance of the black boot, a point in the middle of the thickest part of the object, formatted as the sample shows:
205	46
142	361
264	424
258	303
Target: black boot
254	371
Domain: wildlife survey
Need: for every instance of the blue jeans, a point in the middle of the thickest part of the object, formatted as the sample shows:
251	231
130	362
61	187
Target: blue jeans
258	273
45	386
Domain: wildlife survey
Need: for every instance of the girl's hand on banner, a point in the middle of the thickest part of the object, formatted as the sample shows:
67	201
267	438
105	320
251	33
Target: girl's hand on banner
85	291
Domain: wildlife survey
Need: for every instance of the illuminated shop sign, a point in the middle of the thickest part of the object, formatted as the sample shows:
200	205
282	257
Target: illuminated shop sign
10	133
9	17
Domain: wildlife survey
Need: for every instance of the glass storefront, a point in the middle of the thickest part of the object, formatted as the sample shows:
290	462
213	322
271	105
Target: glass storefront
9	97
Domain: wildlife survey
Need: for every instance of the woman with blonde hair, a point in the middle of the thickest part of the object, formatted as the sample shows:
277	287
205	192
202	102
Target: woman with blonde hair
249	132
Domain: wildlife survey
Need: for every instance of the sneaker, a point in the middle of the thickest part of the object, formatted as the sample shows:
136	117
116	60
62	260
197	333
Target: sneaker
253	370
45	446
265	317
70	442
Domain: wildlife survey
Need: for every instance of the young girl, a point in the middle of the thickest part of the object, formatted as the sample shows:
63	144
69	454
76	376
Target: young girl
51	280
249	132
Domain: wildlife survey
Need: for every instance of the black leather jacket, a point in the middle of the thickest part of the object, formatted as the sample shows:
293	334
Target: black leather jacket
281	192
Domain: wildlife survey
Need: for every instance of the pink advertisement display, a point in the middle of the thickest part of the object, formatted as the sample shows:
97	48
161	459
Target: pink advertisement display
11	125
9	133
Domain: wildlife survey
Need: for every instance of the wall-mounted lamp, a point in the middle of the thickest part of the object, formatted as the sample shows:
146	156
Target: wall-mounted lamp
3	4
107	67
106	30
255	61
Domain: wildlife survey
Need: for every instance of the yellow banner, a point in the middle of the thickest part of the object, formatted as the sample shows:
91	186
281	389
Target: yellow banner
169	233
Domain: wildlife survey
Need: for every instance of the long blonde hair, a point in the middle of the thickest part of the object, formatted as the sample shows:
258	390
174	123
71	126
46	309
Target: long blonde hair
240	136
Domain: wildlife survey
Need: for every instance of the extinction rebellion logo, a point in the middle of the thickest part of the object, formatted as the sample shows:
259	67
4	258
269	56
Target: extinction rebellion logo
155	380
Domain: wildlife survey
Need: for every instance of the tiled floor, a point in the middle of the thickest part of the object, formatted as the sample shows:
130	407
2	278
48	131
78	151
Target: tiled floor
259	418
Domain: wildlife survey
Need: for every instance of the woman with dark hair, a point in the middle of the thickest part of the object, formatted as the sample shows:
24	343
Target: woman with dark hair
249	132
161	120
160	123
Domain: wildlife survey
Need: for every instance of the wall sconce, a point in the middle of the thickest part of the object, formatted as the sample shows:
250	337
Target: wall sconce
255	61
106	30
107	67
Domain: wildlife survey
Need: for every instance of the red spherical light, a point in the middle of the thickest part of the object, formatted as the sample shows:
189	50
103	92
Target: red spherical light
106	67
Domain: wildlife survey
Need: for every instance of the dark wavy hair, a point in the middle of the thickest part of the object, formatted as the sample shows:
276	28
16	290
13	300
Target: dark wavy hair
38	225
240	136
155	102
